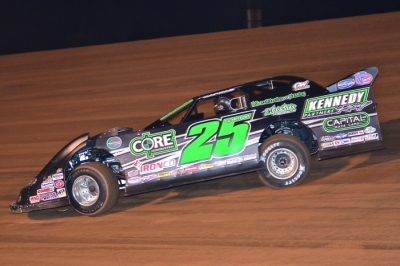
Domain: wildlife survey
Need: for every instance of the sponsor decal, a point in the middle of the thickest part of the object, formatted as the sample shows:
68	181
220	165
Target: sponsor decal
348	108
152	167
327	138
357	139
327	144
34	199
336	103
355	133
238	118
233	160
191	169
136	163
206	165
149	177
368	130
345	141
341	136
220	163
345	84
278	99
59	184
153	144
155	167
177	172
371	137
57	176
363	78
61	192
47	184
48	179
133	173
45	190
49	196
280	110
114	143
248	157
301	85
134	180
163	174
344	122
337	142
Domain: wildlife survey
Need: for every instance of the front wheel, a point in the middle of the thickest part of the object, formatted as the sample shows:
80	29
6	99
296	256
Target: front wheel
285	161
92	189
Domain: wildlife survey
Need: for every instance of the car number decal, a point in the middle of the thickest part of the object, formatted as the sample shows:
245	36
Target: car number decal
216	137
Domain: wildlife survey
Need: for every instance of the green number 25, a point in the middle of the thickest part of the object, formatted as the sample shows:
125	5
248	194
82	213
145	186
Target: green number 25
218	138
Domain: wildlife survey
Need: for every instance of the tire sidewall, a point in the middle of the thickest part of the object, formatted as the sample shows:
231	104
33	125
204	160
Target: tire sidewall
297	147
98	204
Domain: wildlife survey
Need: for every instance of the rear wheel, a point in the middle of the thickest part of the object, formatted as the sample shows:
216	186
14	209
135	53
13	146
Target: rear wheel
285	161
92	189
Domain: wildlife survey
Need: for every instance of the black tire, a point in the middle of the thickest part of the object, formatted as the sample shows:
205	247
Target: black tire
285	161
92	189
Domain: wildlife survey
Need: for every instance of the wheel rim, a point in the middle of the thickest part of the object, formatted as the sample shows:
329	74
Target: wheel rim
282	163
85	190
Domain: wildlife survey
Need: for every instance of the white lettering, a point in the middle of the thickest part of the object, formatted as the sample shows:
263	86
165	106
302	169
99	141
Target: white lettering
167	139
352	98
328	102
312	106
359	96
158	142
337	100
320	104
344	99
135	146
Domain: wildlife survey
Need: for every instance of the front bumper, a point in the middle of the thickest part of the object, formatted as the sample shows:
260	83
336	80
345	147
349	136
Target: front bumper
16	208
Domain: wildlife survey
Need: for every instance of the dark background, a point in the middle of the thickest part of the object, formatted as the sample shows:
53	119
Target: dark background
27	26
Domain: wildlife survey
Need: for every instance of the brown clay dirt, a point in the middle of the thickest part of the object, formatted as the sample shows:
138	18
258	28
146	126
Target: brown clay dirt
346	213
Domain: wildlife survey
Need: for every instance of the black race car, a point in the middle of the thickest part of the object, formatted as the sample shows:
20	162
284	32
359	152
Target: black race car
270	126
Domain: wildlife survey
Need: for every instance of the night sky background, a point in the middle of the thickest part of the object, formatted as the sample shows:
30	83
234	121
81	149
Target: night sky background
27	26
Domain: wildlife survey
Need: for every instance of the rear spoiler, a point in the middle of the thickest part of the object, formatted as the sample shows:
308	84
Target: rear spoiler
363	77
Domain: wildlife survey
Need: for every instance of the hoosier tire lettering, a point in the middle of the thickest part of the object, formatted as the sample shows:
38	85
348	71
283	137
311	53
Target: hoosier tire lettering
285	161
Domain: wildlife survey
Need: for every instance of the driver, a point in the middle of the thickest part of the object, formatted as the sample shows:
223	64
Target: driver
222	106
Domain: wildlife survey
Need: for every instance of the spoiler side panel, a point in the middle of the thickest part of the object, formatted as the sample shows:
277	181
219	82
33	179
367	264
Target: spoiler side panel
345	121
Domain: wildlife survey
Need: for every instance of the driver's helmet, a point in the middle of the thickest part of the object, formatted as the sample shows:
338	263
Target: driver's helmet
222	106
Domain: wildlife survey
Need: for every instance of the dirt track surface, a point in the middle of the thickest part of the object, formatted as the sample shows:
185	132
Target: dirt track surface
346	213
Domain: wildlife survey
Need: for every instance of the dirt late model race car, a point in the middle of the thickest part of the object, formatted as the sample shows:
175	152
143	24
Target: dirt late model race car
270	126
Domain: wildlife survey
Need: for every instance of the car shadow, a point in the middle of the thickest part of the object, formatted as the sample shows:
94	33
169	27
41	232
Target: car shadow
391	136
124	203
323	169
203	189
319	170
